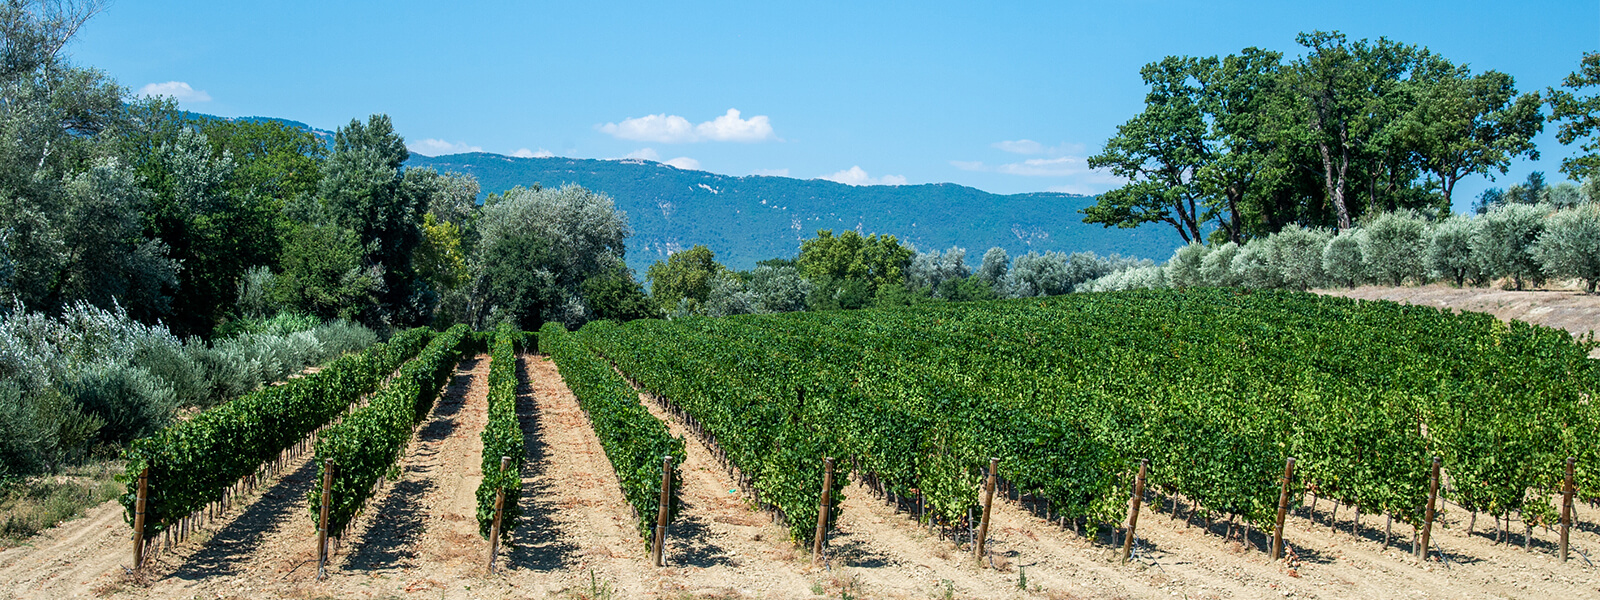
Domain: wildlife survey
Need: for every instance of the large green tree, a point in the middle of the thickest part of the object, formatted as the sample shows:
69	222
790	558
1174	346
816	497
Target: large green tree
1579	118
1461	124
364	189
1161	151
684	275
1351	92
535	249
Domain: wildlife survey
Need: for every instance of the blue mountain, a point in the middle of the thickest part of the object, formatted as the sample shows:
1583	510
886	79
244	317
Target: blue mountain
755	217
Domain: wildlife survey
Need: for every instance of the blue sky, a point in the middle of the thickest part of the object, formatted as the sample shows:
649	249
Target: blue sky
1004	97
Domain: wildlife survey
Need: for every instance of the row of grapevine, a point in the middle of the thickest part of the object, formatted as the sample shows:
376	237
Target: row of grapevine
634	440
502	436
195	462
755	421
1216	387
369	441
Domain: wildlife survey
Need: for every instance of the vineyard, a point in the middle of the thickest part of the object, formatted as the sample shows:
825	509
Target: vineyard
1215	388
696	440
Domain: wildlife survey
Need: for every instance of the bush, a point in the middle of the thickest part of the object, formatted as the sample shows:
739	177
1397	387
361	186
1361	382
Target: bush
129	401
729	297
1450	250
1183	269
1570	245
1395	247
1341	258
778	289
1216	268
1253	266
1504	240
1297	256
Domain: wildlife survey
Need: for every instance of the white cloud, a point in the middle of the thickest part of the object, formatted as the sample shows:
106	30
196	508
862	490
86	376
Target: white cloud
730	128
1020	147
178	90
857	176
1047	167
664	128
433	147
1064	166
683	162
643	154
771	172
1065	161
650	154
673	129
526	153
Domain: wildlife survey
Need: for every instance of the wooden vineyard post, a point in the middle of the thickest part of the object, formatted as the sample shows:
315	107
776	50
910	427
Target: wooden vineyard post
1566	508
661	513
322	522
1283	510
499	507
144	495
988	503
1427	517
822	509
1133	510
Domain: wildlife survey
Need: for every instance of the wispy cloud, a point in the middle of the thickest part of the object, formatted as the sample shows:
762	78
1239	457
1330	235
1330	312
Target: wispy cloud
1020	147
683	162
526	153
433	147
1065	166
650	154
1062	161
179	90
855	175
673	129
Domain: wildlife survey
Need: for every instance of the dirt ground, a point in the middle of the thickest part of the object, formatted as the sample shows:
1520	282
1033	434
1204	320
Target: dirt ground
578	538
1571	310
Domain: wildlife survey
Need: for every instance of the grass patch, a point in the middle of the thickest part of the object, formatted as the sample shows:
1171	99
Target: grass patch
36	504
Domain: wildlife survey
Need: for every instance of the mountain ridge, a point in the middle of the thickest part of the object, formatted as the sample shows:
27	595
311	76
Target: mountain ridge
744	219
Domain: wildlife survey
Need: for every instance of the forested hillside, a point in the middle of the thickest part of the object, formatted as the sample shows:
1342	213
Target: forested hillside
752	218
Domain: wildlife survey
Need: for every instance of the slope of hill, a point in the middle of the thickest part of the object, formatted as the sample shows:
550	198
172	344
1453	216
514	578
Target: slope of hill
746	219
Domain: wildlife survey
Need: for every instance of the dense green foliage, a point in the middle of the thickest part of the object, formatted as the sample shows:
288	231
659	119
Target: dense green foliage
87	381
194	462
1230	148
634	440
1217	388
367	443
502	436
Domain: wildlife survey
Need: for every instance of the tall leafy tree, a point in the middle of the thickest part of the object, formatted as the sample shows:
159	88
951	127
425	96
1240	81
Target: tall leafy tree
364	190
1350	92
536	248
1160	152
1579	118
684	275
1462	124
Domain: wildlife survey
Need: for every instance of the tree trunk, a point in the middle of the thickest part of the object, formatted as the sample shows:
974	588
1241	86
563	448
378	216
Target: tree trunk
1334	181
